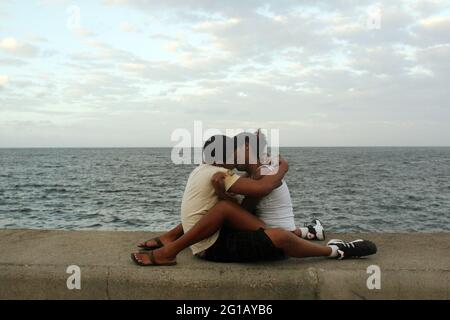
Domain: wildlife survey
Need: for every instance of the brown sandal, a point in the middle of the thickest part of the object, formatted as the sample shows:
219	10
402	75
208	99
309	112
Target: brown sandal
153	261
159	244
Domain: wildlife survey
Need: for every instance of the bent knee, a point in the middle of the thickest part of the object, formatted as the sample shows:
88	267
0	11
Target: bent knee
223	207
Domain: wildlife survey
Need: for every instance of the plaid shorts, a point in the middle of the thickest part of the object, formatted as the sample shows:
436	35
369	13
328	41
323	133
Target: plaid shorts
242	246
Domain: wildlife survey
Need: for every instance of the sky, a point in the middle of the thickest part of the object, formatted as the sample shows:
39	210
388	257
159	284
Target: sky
128	73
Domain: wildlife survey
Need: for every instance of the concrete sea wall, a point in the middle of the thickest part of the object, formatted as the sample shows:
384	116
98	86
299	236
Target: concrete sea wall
33	265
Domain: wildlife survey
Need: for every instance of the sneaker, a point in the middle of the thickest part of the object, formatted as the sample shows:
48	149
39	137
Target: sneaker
315	230
353	249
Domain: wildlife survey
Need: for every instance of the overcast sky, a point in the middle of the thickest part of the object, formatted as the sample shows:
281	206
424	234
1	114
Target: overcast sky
130	72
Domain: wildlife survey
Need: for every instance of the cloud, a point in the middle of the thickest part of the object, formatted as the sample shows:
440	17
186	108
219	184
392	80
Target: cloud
133	67
3	80
436	23
315	70
84	32
12	46
436	59
211	26
12	62
433	30
125	26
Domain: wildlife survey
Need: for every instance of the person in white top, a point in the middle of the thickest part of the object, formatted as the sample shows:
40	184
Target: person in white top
275	209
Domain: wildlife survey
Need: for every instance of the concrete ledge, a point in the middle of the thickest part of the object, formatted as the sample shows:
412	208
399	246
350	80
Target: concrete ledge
33	265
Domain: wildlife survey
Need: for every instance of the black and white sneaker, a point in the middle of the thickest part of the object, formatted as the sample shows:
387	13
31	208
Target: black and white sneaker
353	249
315	230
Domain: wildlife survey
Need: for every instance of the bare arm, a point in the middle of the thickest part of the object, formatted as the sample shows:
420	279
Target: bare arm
264	186
250	203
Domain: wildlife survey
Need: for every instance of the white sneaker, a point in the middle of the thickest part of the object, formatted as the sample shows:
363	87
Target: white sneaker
315	230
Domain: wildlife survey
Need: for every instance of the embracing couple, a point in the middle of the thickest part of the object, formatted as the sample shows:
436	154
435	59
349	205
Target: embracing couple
220	226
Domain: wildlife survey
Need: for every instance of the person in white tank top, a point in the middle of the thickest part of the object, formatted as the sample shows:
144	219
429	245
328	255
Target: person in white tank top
276	208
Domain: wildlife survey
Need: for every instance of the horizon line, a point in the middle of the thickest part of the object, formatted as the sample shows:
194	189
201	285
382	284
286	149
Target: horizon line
289	146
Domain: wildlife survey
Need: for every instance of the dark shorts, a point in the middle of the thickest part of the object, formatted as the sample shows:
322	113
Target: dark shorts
242	246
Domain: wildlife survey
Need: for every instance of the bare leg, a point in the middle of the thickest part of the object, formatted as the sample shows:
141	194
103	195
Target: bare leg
224	212
294	246
167	237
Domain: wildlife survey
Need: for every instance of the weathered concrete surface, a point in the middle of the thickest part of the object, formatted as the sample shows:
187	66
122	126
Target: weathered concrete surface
33	266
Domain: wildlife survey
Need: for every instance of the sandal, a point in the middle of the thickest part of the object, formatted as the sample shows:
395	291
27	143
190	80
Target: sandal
152	260
159	244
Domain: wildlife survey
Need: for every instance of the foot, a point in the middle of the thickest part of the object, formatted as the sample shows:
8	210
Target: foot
315	230
353	249
153	258
157	242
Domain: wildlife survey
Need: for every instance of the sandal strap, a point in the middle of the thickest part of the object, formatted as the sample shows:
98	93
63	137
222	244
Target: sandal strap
158	241
152	258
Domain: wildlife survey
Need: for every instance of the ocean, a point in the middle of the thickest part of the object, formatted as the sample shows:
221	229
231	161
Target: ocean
359	189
